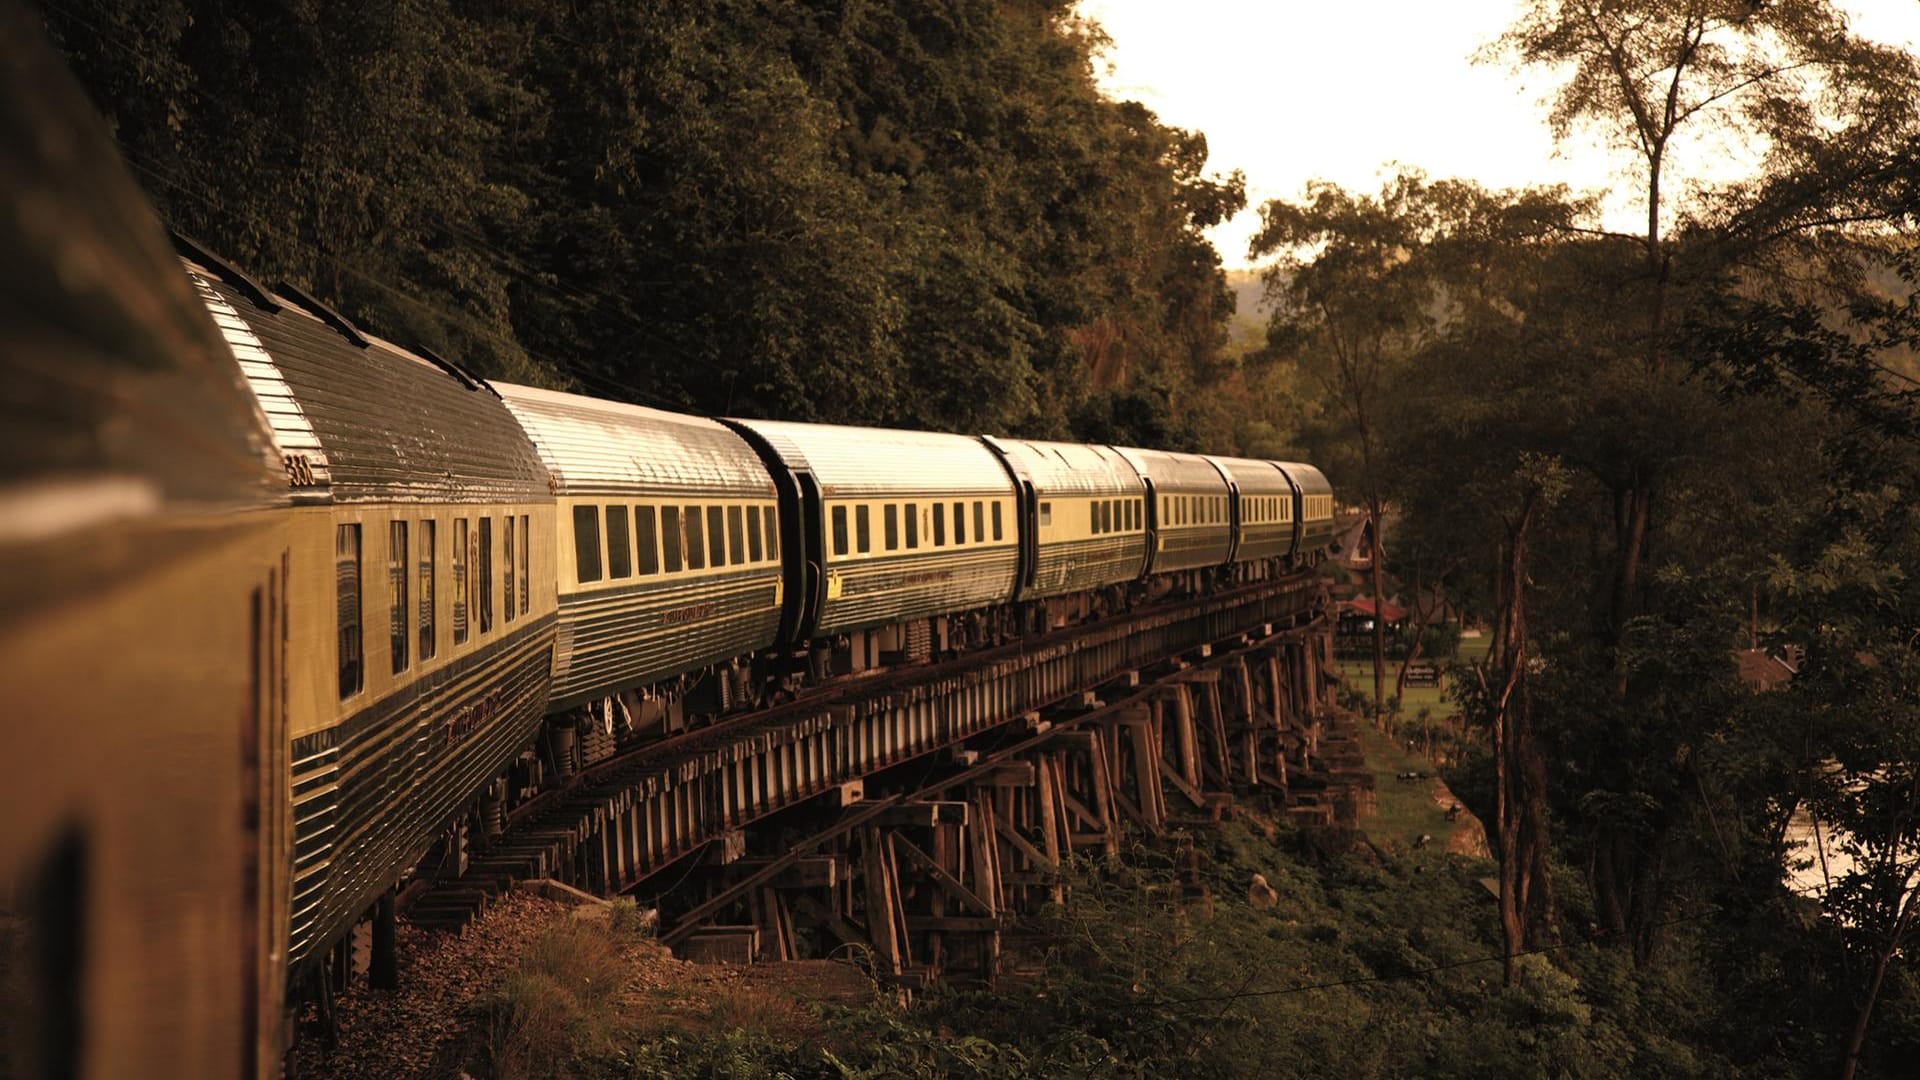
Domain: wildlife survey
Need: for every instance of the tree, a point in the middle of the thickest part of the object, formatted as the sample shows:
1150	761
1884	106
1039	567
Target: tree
1658	80
1351	306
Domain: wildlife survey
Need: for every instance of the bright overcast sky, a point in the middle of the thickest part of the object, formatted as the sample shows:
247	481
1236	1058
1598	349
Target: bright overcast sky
1290	90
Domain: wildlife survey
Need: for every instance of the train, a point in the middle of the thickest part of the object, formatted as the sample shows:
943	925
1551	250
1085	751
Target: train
286	602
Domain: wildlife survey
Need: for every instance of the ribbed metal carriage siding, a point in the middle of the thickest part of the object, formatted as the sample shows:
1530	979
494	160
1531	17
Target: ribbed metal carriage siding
852	464
619	634
381	426
1182	547
1254	479
1078	471
1317	533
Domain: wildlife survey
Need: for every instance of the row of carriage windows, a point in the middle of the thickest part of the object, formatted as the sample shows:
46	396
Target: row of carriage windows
901	526
1116	515
1258	509
413	577
1178	510
668	539
1318	506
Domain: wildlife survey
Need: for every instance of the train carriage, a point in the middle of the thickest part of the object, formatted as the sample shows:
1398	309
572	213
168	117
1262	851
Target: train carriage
1188	509
140	600
892	526
1088	509
1312	508
422	597
1262	509
669	536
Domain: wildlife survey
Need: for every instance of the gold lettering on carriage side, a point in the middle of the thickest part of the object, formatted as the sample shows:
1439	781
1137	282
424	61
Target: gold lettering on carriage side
473	716
299	471
690	613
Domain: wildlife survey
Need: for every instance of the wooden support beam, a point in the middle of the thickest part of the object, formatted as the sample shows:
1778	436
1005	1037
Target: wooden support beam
1025	846
924	815
1007	774
829	920
957	924
1180	784
806	872
883	901
947	882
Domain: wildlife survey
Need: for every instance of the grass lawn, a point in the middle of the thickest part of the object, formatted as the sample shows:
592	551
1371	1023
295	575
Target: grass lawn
1404	809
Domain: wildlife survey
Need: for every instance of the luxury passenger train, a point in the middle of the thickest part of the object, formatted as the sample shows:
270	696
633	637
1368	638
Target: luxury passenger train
282	600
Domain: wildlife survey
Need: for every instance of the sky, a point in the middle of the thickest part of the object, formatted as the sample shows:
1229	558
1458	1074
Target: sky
1291	90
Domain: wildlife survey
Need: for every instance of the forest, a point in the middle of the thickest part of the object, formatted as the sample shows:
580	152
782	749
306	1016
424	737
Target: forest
1626	454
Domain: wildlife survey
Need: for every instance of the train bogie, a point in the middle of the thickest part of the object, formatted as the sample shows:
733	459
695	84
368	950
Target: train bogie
670	539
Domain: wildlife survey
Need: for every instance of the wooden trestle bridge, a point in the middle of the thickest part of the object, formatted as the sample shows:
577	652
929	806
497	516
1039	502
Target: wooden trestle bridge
914	812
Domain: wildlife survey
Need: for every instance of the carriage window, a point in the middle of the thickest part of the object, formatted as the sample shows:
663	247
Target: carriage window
460	580
346	580
696	539
939	524
890	525
1093	517
979	521
913	525
619	543
427	541
754	551
397	587
526	560
716	537
1046	513
671	538
737	534
996	519
960	524
862	529
773	533
839	530
507	560
486	575
1106	515
586	542
646	535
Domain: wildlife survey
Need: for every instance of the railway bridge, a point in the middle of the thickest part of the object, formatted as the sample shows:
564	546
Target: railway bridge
916	812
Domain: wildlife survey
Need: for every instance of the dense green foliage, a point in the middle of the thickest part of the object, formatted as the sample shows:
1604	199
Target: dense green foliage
1631	454
854	210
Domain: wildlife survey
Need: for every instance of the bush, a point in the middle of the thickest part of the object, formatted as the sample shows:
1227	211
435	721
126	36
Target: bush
559	1007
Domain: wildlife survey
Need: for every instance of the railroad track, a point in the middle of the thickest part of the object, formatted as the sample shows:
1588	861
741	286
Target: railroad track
627	818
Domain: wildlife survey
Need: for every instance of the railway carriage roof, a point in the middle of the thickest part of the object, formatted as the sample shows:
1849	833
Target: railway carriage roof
1172	471
1311	480
1057	468
605	447
857	462
380	423
1254	477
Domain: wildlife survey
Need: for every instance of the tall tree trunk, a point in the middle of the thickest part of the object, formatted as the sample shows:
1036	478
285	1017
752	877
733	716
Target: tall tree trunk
1379	618
1858	1037
1526	891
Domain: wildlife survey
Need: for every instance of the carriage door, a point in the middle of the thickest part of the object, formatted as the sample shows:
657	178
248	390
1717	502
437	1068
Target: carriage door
266	816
